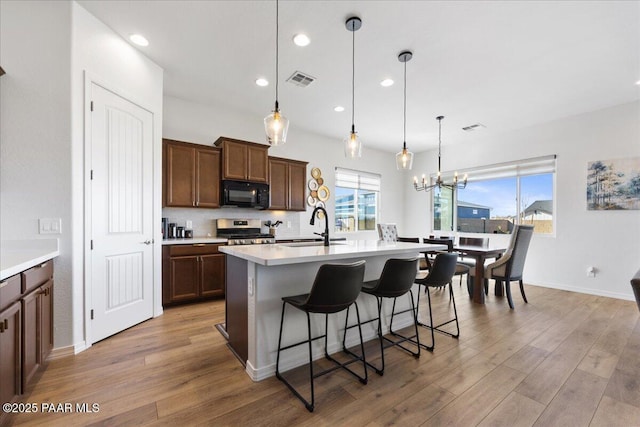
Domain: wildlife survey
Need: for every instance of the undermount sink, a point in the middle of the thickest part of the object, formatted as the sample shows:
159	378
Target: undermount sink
304	244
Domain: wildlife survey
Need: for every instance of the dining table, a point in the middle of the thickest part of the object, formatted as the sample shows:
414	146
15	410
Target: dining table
480	254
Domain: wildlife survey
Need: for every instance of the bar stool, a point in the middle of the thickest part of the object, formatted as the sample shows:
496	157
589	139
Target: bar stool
334	289
395	281
441	273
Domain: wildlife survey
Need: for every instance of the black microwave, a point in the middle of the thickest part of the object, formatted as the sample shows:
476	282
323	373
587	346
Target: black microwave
245	194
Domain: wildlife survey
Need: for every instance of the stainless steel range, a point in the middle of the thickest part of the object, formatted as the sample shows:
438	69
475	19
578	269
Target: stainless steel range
243	232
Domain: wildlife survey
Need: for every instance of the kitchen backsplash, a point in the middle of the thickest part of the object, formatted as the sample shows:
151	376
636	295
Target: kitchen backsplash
204	220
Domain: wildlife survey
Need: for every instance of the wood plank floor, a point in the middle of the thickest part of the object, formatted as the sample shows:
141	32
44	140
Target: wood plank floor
563	359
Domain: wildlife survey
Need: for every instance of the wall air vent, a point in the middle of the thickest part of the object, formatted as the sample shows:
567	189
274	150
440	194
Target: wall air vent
471	128
301	79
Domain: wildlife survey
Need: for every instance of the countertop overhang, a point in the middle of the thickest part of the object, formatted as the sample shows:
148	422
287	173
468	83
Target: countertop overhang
20	255
281	254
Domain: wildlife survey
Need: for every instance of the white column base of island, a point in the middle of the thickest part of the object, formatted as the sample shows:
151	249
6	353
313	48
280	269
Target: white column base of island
258	276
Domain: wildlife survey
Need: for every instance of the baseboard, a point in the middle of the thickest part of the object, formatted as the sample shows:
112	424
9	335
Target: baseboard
59	353
597	292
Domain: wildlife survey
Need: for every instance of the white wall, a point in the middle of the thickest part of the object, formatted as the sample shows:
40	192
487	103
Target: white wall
100	53
608	240
200	124
45	49
35	134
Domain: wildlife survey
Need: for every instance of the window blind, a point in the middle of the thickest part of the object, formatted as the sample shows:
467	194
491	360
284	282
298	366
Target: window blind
356	179
532	166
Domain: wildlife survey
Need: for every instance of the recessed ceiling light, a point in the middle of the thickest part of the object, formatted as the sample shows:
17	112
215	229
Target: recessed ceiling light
638	82
139	40
338	109
301	39
262	82
386	83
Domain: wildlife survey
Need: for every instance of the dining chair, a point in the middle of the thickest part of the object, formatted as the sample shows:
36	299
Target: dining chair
334	289
388	232
635	285
510	266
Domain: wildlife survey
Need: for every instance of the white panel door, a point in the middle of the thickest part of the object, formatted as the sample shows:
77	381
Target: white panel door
121	217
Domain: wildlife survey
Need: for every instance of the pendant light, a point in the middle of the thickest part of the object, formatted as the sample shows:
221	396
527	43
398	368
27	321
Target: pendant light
353	144
404	159
275	124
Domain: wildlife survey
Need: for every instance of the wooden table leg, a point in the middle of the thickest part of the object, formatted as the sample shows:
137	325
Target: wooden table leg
478	286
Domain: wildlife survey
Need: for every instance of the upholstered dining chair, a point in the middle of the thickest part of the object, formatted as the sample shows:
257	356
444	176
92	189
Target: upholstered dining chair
510	266
635	285
388	232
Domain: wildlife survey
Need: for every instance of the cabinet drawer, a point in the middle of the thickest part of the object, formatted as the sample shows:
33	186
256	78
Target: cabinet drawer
37	275
194	249
10	290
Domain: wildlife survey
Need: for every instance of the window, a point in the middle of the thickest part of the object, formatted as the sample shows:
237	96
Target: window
499	196
357	195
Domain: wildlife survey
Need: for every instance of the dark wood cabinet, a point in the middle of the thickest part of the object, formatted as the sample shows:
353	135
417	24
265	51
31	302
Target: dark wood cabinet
10	353
191	175
37	321
287	184
243	160
26	329
192	273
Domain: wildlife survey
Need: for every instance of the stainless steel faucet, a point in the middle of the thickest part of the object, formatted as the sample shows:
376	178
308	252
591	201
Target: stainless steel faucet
326	223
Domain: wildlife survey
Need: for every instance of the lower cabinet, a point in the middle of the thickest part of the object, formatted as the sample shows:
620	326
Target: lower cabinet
192	273
37	326
26	329
10	351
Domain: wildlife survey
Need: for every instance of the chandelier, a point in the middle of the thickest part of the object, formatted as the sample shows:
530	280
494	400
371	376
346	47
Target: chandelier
456	184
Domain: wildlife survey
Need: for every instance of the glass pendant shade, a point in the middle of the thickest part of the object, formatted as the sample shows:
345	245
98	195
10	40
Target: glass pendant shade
404	159
276	126
353	146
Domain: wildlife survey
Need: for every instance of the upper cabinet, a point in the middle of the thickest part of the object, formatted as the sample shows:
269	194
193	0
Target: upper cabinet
243	161
191	175
287	184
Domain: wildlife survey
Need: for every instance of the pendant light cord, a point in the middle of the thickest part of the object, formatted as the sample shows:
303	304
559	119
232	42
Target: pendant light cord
277	52
353	80
404	123
439	141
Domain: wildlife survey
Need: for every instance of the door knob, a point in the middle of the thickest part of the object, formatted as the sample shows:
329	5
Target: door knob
147	242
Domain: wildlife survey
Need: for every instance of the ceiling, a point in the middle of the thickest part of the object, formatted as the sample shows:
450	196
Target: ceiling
506	65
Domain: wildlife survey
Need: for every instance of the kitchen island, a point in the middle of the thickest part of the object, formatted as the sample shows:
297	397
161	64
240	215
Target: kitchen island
258	276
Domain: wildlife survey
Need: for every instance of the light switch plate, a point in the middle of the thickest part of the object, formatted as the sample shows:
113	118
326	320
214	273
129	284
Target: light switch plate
50	225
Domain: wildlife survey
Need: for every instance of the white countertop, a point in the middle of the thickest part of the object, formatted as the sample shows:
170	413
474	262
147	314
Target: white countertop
20	255
193	241
282	254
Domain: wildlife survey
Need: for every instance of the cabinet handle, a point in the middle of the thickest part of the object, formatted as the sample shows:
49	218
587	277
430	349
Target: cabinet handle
43	265
198	244
2	326
6	323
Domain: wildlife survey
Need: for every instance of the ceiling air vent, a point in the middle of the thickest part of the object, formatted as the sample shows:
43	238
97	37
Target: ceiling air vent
471	128
301	79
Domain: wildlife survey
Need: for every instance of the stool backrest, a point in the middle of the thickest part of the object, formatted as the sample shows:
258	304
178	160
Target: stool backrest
397	277
444	266
336	287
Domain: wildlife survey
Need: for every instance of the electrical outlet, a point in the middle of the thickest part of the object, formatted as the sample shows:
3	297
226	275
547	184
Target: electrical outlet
591	271
288	224
189	225
250	286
